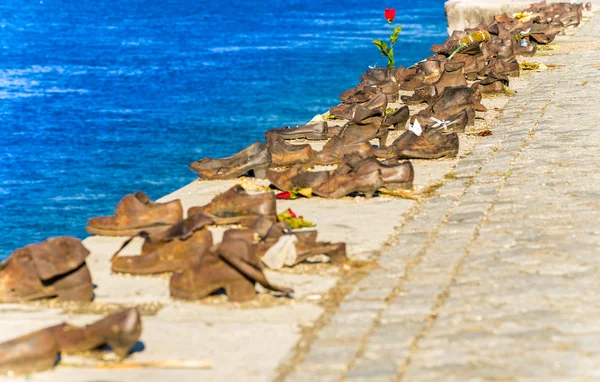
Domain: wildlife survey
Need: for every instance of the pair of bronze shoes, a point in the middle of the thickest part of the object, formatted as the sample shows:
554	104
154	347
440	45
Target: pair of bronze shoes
199	267
53	268
40	350
428	137
167	251
357	175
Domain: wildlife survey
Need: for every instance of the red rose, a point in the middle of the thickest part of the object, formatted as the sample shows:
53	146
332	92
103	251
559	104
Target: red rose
292	212
389	14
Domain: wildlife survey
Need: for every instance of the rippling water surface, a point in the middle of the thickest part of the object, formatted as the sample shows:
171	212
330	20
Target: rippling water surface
102	98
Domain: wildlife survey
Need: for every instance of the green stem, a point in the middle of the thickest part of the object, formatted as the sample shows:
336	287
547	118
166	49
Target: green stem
390	55
456	51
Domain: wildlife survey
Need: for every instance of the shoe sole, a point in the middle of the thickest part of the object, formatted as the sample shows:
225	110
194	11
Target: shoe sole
127	231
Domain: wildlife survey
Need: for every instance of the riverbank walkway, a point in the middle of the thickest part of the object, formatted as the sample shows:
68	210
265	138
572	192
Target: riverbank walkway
490	273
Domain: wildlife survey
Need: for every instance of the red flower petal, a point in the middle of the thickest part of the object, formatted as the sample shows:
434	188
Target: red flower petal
292	212
389	14
284	195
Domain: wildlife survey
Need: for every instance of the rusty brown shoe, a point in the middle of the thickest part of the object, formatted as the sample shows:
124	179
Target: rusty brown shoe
430	143
134	213
120	330
236	206
286	154
169	251
311	131
395	176
246	162
234	268
53	268
33	352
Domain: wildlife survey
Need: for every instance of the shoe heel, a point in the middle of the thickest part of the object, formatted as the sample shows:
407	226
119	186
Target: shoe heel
127	334
241	290
338	256
83	292
383	137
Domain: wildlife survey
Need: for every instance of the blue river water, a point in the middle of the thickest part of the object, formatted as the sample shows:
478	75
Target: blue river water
102	98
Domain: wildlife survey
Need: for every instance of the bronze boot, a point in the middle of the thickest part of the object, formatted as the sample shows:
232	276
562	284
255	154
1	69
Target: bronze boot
170	251
285	154
245	162
394	176
456	122
234	268
120	330
397	120
333	152
492	83
33	352
455	99
340	185
53	268
431	143
236	206
136	213
290	179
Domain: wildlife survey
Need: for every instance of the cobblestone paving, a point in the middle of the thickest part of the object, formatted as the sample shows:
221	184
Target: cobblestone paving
496	278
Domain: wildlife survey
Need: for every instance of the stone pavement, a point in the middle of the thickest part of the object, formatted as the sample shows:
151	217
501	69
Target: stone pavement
497	277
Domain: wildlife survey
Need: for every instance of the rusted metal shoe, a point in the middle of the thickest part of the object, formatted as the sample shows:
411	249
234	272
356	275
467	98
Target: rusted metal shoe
134	213
454	100
312	131
169	251
395	176
397	120
120	330
33	352
39	351
492	83
429	143
254	160
340	185
236	206
286	154
233	268
53	268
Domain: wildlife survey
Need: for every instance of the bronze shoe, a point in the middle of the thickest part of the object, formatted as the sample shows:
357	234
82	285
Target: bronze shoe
33	352
234	268
340	185
53	268
311	131
236	206
120	330
333	152
426	73
425	94
348	111
394	176
430	143
285	154
294	178
454	100
398	119
167	252
492	83
453	75
456	122
245	162
136	213
366	125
